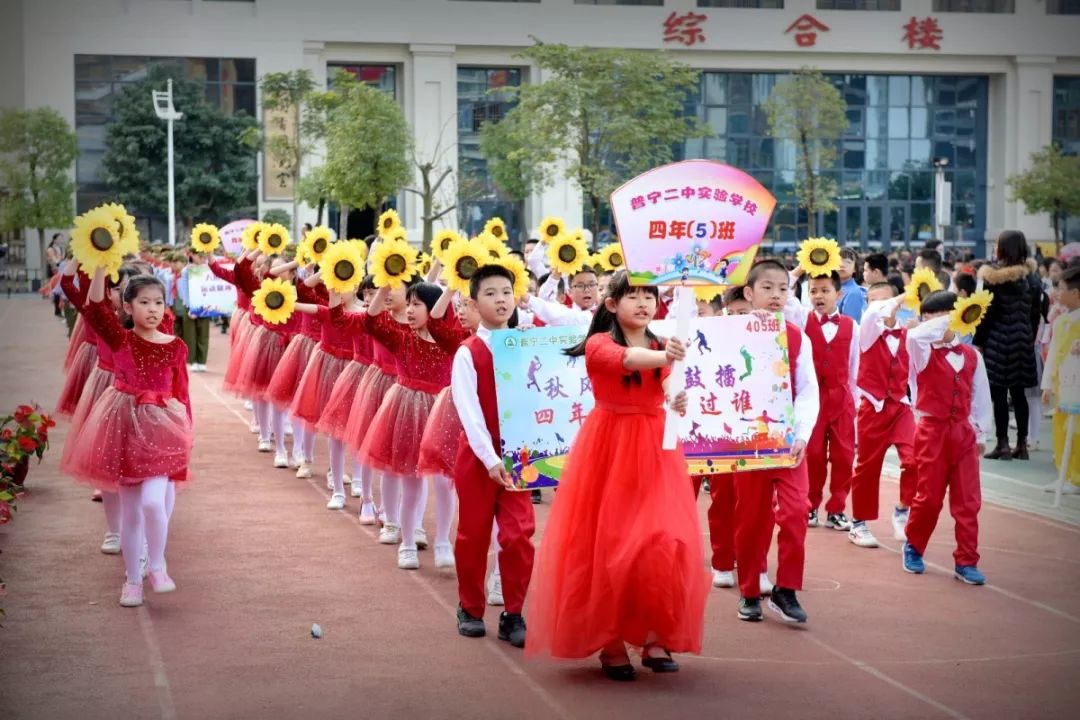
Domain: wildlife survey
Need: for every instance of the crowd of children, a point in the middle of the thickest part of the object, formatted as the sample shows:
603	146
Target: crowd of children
345	340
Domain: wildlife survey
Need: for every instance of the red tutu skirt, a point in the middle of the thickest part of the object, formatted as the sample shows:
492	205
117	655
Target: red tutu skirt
99	381
442	436
622	551
124	442
78	337
290	369
311	397
335	416
264	351
236	357
393	443
83	364
238	322
366	404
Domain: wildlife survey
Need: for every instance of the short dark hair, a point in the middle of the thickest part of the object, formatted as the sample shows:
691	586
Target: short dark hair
833	276
847	253
938	301
1012	247
485	272
884	285
896	281
1071	277
931	259
878	261
717	302
733	294
760	268
965	281
589	269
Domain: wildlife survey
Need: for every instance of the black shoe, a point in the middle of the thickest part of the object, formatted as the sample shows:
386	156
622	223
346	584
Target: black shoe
658	664
837	521
468	625
1020	452
1001	452
619	673
750	609
512	628
783	603
537	498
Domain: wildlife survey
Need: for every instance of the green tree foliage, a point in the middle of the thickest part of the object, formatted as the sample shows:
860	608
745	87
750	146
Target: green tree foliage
215	172
807	110
279	216
1050	185
37	150
601	116
367	145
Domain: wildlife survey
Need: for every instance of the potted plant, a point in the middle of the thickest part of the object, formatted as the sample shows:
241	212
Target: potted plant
23	434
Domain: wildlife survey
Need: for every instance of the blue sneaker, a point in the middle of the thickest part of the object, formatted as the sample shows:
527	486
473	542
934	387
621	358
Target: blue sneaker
969	574
913	562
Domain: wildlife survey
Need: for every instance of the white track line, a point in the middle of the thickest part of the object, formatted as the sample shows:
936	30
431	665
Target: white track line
157	665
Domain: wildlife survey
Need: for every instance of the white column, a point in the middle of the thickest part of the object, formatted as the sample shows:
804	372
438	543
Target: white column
1030	111
431	108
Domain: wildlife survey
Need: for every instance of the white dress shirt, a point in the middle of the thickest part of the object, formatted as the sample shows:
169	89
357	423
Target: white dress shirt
807	402
549	290
555	313
921	341
870	329
537	260
799	316
463	388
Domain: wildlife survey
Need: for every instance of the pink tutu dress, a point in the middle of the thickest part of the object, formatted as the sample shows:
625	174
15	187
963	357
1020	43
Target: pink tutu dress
393	442
328	361
83	342
335	416
377	380
265	345
240	334
140	427
442	433
294	362
239	318
78	337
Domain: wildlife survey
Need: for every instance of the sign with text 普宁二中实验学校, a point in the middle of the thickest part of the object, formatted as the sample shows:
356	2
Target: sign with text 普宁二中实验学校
695	222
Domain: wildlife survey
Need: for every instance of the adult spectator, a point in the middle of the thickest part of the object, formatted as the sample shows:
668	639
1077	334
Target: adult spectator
1007	338
853	300
875	269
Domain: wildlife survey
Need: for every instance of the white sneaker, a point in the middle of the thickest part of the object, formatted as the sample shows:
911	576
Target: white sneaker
281	460
444	556
248	405
1066	489
111	544
494	588
144	565
899	523
355	489
860	536
407	559
254	427
199	368
390	534
765	584
329	481
723	578
295	461
337	502
266	446
304	471
420	536
367	514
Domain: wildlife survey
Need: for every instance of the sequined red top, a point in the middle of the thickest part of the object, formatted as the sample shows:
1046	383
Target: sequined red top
333	337
377	353
423	364
311	325
76	295
448	332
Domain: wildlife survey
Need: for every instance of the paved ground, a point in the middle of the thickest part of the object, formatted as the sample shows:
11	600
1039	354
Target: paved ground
258	559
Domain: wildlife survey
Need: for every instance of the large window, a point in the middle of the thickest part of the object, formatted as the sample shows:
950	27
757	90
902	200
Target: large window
975	6
897	125
381	77
1063	7
229	83
769	4
1066	132
480	102
858	4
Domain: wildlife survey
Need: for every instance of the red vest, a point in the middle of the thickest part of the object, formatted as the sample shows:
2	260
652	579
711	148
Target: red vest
467	462
831	359
794	345
943	393
882	374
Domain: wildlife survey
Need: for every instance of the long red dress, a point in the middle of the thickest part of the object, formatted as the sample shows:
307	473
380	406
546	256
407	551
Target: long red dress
622	555
328	361
376	382
82	351
285	384
442	433
334	418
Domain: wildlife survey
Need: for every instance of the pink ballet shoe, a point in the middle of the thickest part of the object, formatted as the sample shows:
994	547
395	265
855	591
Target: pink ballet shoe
160	582
131	595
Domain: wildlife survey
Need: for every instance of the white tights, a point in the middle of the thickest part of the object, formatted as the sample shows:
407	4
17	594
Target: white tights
303	441
337	465
445	506
145	511
414	492
271	420
113	515
495	547
366	477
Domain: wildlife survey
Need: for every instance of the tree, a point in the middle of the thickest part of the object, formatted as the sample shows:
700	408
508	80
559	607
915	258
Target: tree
1051	184
436	197
367	145
279	216
215	171
37	150
605	114
807	110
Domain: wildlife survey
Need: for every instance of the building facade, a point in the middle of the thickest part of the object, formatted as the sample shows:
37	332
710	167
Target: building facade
980	84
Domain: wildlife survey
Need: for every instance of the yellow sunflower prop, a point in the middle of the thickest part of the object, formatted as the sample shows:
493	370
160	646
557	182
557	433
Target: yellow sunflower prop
521	275
819	256
496	228
969	312
707	293
342	267
923	282
495	247
423	263
567	254
129	234
95	241
551	228
249	239
273	239
361	247
443	240
392	263
317	242
460	262
274	301
389	221
611	257
205	238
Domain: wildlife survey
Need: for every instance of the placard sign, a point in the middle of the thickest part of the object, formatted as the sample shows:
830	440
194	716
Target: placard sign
209	295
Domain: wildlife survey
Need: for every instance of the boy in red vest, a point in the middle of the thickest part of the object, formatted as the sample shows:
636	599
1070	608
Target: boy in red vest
485	491
767	290
884	416
952	397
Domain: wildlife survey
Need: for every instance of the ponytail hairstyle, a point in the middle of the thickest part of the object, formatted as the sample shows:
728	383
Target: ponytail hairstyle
604	321
135	285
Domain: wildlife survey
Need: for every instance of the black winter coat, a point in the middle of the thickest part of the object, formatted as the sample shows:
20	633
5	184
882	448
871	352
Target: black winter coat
1007	334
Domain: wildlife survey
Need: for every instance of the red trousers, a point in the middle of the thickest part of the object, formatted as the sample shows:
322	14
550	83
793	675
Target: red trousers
481	501
722	519
754	494
948	459
894	425
832	444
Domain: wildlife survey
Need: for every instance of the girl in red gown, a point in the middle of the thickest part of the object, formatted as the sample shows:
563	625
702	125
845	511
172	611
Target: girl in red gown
239	328
137	438
621	561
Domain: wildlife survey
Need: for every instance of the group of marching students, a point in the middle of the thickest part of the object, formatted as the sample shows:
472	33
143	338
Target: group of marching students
386	353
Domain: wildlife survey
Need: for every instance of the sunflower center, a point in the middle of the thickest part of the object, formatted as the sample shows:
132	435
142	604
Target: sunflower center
204	238
274	240
101	239
466	267
388	223
567	253
551	231
344	270
275	300
497	231
494	253
818	256
445	244
616	259
971	313
120	229
924	290
319	246
395	265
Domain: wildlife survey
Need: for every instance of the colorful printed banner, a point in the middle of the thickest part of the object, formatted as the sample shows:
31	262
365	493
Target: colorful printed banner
231	234
543	397
695	222
209	295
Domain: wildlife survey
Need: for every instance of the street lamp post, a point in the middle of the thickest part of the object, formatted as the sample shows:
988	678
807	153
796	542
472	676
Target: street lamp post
163	106
942	199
